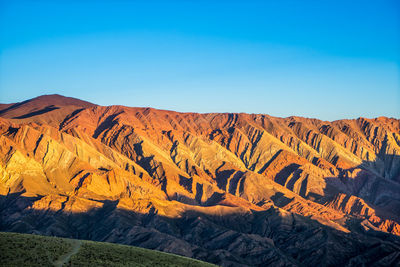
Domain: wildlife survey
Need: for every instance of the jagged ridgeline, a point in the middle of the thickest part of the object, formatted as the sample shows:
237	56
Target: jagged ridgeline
229	189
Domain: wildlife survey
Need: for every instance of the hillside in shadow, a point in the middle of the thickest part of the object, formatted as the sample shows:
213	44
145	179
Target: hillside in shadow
268	237
368	190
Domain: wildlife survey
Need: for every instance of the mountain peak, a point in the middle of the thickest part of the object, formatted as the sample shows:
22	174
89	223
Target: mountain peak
43	109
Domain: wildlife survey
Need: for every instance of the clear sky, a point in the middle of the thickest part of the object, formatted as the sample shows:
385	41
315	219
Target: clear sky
323	59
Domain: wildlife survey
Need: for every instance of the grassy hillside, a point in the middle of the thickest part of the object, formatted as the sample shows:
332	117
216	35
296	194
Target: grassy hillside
33	250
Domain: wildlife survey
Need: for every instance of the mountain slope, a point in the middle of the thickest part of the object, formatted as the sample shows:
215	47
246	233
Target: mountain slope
217	187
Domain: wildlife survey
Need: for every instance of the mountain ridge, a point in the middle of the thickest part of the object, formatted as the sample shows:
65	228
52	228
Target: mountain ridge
163	168
79	102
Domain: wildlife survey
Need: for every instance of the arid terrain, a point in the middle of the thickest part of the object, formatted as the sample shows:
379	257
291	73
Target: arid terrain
227	188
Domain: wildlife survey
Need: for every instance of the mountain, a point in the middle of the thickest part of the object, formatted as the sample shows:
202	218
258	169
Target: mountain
226	188
38	109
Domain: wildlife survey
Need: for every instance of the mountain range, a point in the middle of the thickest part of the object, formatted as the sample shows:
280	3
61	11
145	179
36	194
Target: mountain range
233	189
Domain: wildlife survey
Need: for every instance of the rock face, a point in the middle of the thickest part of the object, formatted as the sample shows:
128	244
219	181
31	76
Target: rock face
231	189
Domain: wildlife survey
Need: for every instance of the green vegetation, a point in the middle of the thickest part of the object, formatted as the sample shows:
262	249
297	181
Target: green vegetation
33	250
107	254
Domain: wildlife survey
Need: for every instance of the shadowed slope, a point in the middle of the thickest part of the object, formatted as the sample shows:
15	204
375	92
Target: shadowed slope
226	236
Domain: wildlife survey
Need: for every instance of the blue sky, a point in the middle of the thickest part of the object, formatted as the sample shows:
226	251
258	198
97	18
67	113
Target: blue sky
323	59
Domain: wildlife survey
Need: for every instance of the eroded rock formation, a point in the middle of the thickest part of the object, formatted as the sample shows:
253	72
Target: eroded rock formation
230	189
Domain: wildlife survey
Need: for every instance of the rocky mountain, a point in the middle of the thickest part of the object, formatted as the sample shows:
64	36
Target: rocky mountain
227	188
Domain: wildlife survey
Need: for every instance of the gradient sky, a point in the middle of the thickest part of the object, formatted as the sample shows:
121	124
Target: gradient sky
323	59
